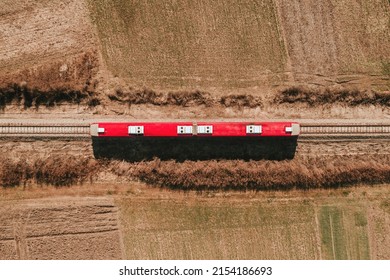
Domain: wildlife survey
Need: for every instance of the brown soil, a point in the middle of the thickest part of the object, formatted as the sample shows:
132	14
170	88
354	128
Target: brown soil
46	44
330	43
53	228
379	228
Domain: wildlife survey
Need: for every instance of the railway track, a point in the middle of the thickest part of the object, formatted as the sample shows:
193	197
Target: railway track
44	130
312	131
308	130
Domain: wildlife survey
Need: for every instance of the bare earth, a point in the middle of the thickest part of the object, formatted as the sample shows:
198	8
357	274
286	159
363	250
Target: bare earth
54	228
43	41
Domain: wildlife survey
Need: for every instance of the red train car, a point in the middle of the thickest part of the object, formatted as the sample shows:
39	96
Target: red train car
195	140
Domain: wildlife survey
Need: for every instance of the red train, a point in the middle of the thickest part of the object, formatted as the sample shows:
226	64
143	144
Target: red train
136	141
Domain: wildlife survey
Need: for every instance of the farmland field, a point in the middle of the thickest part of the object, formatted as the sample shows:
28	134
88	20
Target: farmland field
53	228
344	232
84	61
333	226
169	230
134	221
190	43
222	46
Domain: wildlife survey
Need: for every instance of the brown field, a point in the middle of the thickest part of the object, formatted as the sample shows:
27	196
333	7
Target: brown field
127	60
252	47
190	43
339	40
43	43
53	228
159	224
218	229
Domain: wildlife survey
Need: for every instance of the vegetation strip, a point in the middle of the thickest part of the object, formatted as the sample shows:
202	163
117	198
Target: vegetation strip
303	173
327	96
183	98
33	97
300	173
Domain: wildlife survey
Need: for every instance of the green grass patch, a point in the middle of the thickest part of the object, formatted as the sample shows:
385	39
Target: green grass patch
343	233
386	68
332	237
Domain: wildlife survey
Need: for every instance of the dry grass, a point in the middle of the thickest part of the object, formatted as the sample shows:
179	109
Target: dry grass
183	98
324	172
21	94
342	44
316	97
241	100
187	44
75	73
16	94
54	170
300	227
60	82
311	173
188	229
297	225
148	96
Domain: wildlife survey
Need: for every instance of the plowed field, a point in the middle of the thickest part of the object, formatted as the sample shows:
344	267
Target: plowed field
66	228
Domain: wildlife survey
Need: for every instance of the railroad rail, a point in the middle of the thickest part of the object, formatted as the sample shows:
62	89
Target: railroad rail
45	130
308	130
344	129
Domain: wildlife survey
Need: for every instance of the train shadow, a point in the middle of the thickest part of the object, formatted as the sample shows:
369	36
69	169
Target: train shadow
135	149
